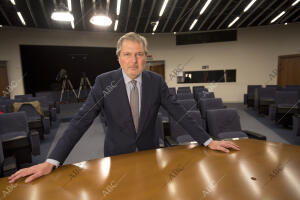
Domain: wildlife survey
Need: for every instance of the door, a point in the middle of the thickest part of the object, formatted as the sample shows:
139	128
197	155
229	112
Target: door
288	70
4	89
160	69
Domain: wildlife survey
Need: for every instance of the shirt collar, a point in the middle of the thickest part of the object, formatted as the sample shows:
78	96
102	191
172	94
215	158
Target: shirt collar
127	79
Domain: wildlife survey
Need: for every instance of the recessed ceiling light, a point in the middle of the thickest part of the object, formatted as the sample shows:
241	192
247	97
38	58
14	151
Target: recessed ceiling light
152	33
163	8
61	13
118	7
101	20
295	2
116	25
21	18
278	16
237	18
285	23
205	6
174	33
193	24
1	25
249	5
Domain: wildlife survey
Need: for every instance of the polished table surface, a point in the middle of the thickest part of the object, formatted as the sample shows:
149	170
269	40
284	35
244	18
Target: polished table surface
260	170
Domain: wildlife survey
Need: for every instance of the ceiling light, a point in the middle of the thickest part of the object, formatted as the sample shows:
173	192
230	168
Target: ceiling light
1	25
205	6
21	18
70	5
118	7
295	2
13	2
237	18
285	23
61	13
152	33
116	25
163	8
249	5
101	20
193	24
174	33
278	16
155	26
72	24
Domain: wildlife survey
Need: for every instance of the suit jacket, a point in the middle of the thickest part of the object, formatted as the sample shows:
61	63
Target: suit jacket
109	96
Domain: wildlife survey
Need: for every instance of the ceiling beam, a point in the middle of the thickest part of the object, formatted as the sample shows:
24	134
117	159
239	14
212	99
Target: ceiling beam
31	13
189	15
269	15
139	16
250	13
180	17
45	13
209	14
294	20
169	16
289	15
226	6
5	16
230	13
82	18
150	14
261	13
128	14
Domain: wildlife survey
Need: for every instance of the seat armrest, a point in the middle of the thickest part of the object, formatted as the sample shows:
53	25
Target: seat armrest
15	142
254	135
35	142
170	142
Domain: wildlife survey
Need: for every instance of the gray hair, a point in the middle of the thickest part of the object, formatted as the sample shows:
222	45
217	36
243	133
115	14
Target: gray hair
133	37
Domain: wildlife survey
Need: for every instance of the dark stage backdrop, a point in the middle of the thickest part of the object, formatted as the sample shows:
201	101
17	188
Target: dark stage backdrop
41	64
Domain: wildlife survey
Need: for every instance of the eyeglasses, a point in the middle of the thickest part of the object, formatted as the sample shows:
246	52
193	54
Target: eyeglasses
137	55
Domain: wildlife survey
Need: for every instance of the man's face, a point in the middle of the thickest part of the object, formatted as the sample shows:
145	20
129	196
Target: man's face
132	58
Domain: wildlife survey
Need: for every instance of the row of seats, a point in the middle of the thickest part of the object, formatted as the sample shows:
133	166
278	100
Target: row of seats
210	112
23	122
280	104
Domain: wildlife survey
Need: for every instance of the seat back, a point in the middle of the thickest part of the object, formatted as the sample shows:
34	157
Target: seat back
181	96
23	97
267	92
177	130
172	91
188	104
286	97
251	89
209	104
223	120
205	95
13	122
184	90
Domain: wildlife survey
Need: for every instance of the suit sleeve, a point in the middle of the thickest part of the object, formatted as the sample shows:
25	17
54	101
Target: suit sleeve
79	124
180	115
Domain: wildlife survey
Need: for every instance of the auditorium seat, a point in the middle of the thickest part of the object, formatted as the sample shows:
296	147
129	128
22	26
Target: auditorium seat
49	111
224	124
285	106
209	104
264	97
172	91
16	137
53	98
296	125
250	95
36	120
205	95
178	134
22	97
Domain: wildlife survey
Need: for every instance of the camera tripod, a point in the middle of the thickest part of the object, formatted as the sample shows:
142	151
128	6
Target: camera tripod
84	83
67	86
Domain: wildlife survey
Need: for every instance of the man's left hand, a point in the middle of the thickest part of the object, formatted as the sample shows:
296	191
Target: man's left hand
223	146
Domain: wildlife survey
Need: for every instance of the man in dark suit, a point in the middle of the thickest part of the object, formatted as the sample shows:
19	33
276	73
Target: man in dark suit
129	98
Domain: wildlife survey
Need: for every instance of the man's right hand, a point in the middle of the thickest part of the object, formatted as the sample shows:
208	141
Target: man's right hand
33	172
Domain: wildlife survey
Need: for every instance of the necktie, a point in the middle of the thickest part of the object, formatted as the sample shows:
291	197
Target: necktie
134	104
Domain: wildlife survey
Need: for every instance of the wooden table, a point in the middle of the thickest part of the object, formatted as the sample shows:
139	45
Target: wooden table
261	170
